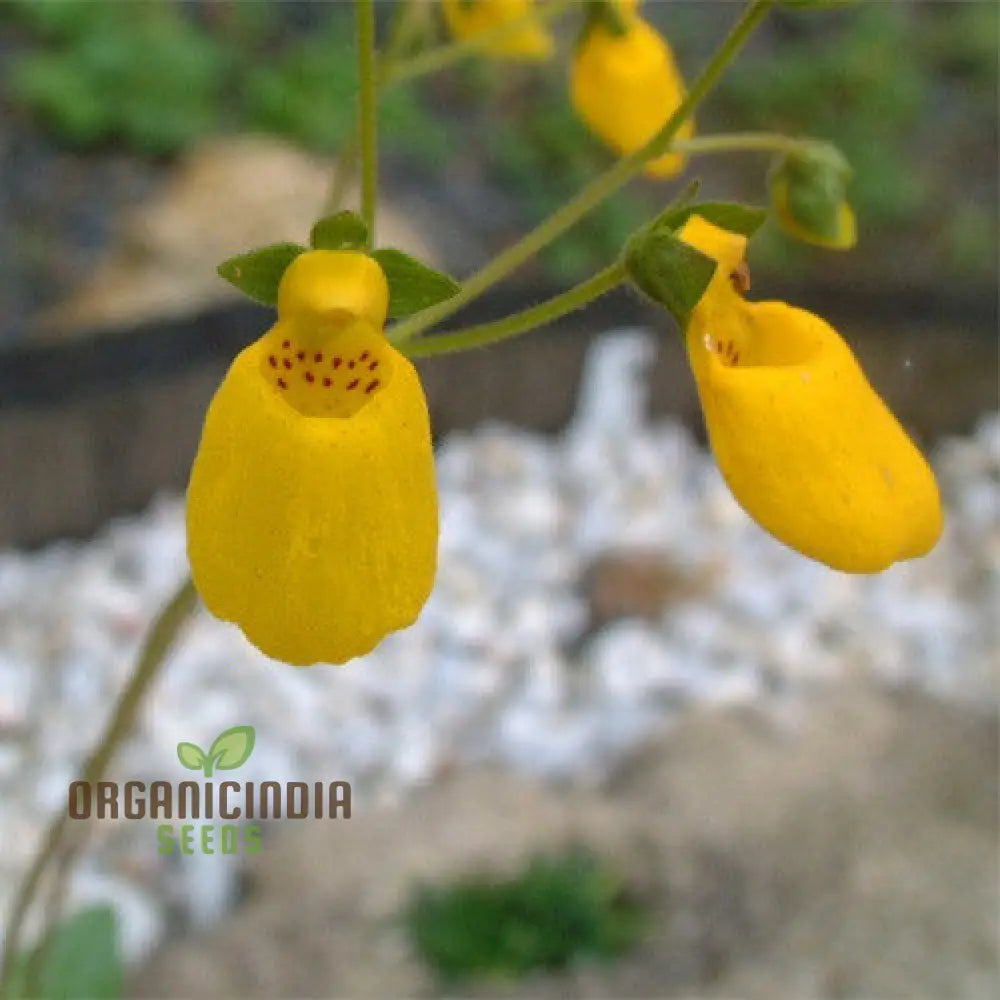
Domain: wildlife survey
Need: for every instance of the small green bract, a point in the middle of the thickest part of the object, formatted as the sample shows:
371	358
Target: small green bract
557	910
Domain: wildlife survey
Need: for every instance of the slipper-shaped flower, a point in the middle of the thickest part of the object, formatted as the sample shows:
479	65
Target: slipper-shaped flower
469	18
312	511
625	85
806	445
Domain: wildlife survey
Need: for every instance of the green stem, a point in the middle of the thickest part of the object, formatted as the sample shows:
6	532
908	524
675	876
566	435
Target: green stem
522	322
442	56
602	187
739	142
368	113
161	637
343	172
392	70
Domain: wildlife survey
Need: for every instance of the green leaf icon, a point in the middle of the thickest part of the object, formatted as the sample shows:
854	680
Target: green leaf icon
191	756
258	273
232	748
343	231
412	286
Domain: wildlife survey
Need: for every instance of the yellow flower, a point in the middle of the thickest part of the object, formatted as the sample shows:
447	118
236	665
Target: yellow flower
469	18
806	445
625	86
311	511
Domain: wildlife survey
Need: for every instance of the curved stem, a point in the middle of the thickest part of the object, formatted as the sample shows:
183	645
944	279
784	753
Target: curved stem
442	56
739	142
368	112
596	191
521	322
161	636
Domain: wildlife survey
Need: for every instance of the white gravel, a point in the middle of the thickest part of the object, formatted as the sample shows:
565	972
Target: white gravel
500	666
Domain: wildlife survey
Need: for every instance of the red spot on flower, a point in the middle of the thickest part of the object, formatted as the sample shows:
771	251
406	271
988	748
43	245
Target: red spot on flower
372	386
310	377
364	356
301	355
286	344
287	364
273	360
327	381
282	383
350	364
337	362
318	356
354	384
373	366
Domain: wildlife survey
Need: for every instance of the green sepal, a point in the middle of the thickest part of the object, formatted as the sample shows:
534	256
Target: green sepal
606	14
811	187
342	231
258	273
412	285
732	216
668	270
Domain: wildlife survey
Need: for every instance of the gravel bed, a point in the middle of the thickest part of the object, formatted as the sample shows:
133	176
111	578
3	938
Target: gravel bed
504	664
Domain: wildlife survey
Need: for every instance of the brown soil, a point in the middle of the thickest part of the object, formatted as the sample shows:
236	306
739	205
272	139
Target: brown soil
852	856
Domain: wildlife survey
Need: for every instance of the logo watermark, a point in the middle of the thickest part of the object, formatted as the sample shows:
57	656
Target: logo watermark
227	800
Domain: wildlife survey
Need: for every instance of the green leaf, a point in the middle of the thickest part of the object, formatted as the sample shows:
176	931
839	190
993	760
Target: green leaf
668	270
80	959
258	273
412	285
343	231
191	756
232	747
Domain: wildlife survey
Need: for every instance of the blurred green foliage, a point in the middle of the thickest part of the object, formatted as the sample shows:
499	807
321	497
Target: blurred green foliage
907	91
547	155
853	88
78	960
152	75
138	72
556	910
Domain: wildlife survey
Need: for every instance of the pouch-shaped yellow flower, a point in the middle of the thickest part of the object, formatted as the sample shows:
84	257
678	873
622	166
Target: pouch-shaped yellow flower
625	86
469	18
312	511
806	445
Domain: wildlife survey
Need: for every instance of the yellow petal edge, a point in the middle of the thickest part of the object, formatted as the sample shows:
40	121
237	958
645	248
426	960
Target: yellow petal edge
806	445
316	534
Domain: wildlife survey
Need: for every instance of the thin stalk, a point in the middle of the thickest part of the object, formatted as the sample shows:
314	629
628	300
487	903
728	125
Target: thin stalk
739	142
343	172
602	187
158	643
368	112
521	322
